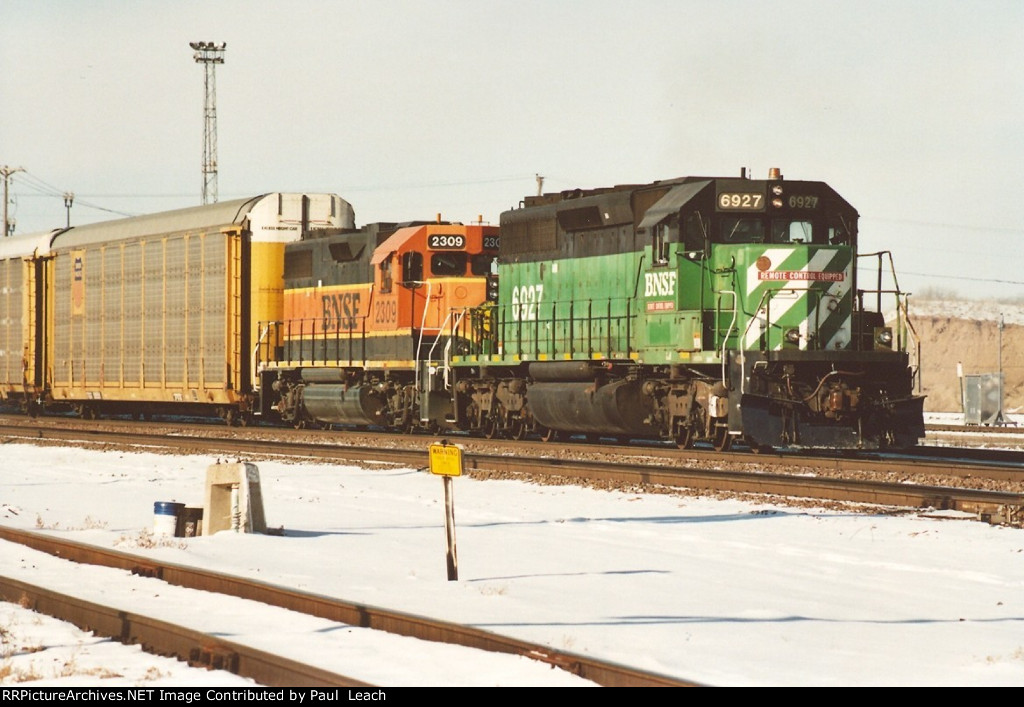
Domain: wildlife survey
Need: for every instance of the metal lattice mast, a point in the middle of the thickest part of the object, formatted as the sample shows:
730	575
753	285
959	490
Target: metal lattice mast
209	54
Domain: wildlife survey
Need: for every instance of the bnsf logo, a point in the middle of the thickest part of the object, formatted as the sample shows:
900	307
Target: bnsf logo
340	311
660	284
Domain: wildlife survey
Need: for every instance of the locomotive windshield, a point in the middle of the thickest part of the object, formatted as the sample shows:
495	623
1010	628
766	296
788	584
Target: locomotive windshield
482	264
748	229
742	230
448	263
786	231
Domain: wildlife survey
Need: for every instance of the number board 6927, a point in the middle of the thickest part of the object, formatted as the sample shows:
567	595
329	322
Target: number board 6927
446	241
741	201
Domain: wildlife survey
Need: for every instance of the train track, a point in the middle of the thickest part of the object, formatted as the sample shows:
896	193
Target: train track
649	467
988	485
271	670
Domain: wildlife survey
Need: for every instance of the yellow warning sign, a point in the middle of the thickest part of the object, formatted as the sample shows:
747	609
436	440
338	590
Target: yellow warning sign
446	459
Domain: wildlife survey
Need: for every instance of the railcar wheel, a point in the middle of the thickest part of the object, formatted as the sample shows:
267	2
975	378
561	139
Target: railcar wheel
491	427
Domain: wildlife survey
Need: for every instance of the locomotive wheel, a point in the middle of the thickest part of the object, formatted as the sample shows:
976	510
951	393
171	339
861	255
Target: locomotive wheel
549	435
519	429
685	437
722	440
491	427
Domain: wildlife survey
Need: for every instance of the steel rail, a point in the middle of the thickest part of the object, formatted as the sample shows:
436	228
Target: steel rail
349	613
168	639
999	507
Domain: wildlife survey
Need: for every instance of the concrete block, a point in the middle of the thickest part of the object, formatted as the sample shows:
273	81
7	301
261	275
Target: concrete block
234	500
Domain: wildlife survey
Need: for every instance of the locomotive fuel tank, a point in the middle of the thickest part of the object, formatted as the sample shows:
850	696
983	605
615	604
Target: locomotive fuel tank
618	408
344	405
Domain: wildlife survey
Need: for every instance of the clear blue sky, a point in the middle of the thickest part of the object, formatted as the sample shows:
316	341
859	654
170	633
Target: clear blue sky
912	110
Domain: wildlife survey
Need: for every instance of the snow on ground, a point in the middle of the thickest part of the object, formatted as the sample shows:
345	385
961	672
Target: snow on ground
721	592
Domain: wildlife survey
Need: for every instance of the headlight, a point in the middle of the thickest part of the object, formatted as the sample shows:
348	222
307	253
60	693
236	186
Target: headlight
883	338
793	336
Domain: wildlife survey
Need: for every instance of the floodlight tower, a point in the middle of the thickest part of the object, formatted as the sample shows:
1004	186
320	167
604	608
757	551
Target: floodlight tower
209	54
6	173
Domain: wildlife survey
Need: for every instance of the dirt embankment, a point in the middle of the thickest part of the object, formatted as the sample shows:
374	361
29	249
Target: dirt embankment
948	340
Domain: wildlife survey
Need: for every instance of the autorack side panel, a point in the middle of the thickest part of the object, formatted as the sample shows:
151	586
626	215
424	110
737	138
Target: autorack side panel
23	270
14	326
148	320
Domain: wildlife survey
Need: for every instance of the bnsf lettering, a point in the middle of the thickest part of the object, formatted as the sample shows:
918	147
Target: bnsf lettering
660	284
341	311
525	302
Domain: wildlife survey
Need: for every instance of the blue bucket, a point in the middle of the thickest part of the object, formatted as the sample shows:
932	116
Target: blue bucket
165	517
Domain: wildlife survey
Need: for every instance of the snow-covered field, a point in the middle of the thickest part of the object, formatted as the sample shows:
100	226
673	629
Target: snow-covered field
721	592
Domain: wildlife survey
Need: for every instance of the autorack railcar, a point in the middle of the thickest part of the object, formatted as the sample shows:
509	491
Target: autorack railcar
159	313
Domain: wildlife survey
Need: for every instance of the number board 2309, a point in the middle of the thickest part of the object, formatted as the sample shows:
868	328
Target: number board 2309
446	241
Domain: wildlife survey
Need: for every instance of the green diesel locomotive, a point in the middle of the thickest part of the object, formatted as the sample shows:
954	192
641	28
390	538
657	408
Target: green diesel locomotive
698	309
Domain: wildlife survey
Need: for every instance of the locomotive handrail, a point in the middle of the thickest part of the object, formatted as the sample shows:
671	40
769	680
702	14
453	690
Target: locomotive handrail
448	343
728	332
258	365
574	334
892	271
423	325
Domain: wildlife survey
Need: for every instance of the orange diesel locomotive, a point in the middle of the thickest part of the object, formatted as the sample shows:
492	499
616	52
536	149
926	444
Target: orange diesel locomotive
367	317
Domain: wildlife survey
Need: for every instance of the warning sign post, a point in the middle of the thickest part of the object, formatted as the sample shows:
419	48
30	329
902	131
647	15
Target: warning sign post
446	462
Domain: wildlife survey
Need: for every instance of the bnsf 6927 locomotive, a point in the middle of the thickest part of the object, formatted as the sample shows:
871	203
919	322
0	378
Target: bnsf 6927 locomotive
691	309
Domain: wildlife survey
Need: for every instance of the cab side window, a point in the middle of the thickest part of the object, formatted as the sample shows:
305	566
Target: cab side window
385	276
412	267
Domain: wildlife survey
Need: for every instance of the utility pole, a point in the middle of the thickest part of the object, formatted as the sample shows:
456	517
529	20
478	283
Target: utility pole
999	419
209	54
6	172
